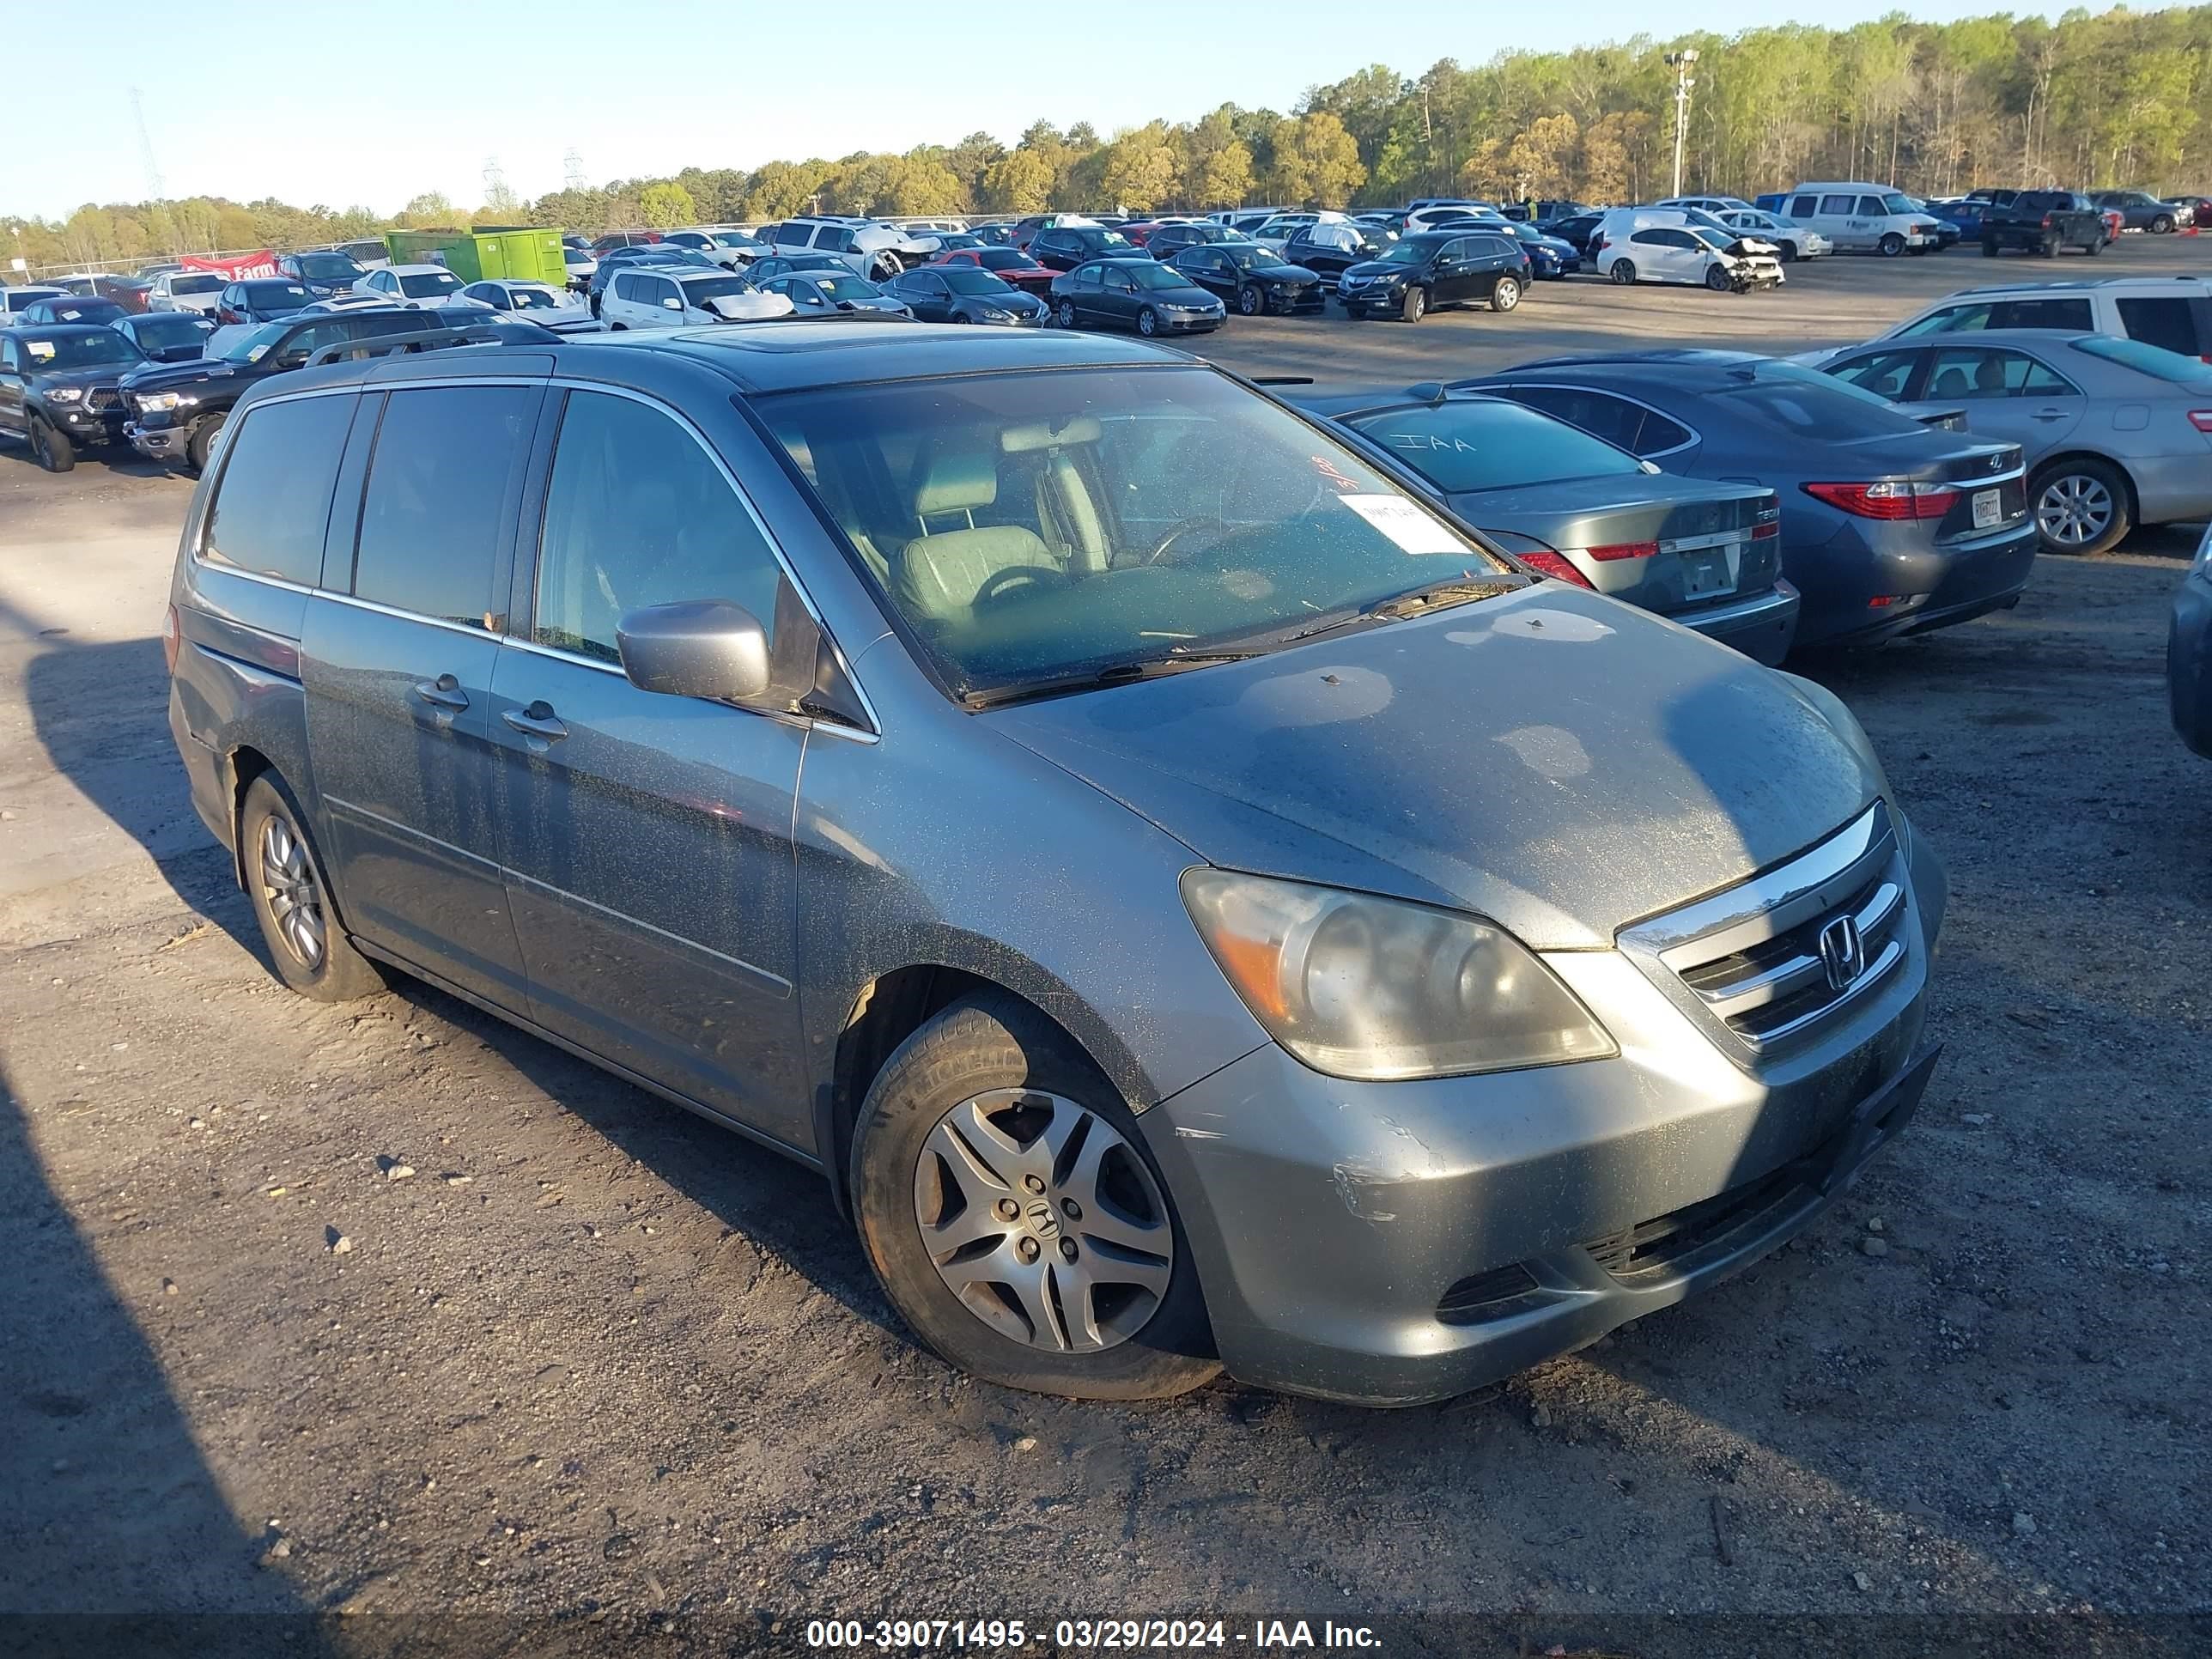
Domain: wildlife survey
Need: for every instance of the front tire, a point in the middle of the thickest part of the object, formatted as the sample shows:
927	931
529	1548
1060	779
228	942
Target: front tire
202	440
1250	302
1891	246
1988	247
49	448
1414	305
2162	226
2049	249
1086	1289
1717	278
1624	271
2081	506
1148	322
2096	248
1787	253
290	897
1507	294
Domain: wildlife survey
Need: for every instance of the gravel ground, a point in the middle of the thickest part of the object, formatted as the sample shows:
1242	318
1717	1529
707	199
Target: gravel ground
387	1329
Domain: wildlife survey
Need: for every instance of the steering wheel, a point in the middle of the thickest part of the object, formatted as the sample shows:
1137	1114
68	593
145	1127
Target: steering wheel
1019	581
1167	543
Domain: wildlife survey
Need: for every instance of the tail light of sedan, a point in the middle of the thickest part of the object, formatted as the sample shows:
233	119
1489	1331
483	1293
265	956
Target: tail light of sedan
1554	565
2201	418
1890	500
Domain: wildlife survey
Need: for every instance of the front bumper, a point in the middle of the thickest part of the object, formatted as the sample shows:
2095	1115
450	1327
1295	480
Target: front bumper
160	443
1378	297
1196	322
2189	662
1392	1244
87	427
1762	627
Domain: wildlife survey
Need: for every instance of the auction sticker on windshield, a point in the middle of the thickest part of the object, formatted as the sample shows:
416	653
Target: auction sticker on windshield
1414	530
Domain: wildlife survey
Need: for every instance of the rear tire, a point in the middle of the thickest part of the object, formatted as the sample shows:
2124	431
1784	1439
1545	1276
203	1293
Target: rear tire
290	897
1414	305
1507	294
2095	249
1891	246
2049	249
1065	314
995	1053
51	449
1624	271
1988	247
2081	506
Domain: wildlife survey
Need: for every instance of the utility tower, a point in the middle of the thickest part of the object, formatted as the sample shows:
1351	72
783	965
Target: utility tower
571	165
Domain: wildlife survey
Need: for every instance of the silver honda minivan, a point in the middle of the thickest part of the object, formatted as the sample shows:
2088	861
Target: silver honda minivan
1196	902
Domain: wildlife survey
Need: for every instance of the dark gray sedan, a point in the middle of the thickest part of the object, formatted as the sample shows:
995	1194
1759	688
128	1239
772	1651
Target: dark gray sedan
2115	432
1705	555
1888	528
2189	654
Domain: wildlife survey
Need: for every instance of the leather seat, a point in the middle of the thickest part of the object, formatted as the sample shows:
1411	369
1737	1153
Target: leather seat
1951	383
939	576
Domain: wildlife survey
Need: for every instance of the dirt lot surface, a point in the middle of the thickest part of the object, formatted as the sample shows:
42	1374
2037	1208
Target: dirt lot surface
595	1374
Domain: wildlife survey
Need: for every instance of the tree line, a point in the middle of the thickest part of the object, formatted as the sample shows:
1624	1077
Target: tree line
2118	98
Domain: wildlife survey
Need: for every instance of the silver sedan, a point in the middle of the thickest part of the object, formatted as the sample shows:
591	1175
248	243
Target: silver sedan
2116	432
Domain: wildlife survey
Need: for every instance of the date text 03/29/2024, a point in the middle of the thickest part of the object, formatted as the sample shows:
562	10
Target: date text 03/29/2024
1125	1635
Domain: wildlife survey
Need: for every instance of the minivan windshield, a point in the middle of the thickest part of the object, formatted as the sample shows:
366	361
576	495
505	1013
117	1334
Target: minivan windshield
1034	527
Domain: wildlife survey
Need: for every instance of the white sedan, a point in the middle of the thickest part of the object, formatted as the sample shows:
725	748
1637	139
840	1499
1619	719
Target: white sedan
1791	240
416	287
676	296
534	302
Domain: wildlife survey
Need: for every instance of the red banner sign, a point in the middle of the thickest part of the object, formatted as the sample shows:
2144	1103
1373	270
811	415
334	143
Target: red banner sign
237	267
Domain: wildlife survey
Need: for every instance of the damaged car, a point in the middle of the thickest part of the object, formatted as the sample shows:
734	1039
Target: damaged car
1194	901
672	296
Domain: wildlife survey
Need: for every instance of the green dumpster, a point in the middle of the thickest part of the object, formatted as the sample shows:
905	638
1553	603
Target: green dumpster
486	253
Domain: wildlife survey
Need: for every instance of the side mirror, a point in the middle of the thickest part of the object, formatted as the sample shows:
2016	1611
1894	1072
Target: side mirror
695	648
671	305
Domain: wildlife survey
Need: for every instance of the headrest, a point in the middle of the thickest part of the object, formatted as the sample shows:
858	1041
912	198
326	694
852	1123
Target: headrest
957	484
1019	439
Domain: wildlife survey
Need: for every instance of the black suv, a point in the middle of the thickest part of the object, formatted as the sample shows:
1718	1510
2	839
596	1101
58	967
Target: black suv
58	388
322	271
2042	222
177	409
1065	246
1434	268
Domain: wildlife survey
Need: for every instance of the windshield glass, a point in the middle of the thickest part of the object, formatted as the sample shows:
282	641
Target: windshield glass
698	290
272	295
1492	446
1805	400
320	267
1895	201
532	299
968	280
1003	258
195	284
844	287
1148	274
176	328
1214	513
1405	254
423	285
248	348
87	350
1710	238
1248	259
1105	239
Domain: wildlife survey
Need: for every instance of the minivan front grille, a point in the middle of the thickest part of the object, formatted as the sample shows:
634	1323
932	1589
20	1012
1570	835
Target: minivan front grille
1777	960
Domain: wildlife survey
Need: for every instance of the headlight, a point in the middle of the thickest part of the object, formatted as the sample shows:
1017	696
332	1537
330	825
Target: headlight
159	400
1360	987
64	394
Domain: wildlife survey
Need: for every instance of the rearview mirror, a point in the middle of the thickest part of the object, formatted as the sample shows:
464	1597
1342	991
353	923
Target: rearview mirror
695	648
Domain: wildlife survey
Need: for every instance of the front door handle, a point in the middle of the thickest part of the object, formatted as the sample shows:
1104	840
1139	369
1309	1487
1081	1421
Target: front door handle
539	720
444	692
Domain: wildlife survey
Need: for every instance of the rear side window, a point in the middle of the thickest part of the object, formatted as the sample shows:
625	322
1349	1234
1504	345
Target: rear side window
637	514
2041	313
1614	419
1812	407
274	502
1838	206
1870	207
449	459
1885	374
1803	207
2170	323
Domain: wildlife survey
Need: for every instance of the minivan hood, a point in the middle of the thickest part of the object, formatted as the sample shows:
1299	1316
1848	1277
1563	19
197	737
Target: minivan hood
1554	761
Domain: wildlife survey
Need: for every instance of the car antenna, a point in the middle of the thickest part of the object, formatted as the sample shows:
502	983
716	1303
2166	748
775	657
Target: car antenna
1282	379
1429	392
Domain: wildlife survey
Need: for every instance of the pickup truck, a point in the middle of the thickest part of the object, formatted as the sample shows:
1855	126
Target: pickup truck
2043	221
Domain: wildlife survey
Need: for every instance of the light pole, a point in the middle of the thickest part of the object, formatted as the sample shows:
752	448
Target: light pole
1683	61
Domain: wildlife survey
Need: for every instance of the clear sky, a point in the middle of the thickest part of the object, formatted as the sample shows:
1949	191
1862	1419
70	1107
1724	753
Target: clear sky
344	103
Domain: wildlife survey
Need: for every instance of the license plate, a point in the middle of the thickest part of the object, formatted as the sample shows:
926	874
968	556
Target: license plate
1988	509
1704	572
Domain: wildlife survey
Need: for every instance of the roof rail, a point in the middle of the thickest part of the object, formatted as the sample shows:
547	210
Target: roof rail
375	345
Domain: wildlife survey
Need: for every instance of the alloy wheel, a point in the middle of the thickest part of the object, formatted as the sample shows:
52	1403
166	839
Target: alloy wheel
290	891
2073	510
1043	1221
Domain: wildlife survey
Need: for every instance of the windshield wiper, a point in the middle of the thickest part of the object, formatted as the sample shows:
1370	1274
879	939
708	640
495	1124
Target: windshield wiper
1417	602
1087	679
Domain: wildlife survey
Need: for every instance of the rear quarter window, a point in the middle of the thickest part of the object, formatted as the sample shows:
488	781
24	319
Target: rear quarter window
2169	323
272	503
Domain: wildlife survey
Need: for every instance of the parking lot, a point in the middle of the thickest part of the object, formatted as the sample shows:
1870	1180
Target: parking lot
387	1309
